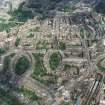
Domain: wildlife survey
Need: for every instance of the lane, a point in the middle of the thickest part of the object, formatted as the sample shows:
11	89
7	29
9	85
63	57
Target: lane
95	89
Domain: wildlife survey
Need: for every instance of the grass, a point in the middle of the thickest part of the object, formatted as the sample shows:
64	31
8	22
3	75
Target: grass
22	65
62	46
67	67
31	32
30	35
42	45
82	33
6	69
49	35
100	68
2	51
17	42
2	19
36	29
6	63
8	98
40	72
54	61
5	26
20	15
39	67
30	94
67	8
16	16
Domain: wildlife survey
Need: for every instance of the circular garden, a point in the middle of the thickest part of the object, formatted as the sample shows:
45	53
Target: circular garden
22	65
55	60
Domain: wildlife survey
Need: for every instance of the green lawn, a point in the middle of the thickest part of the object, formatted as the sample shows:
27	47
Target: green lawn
6	63
36	29
5	26
30	35
16	17
30	94
39	71
22	65
67	8
100	68
2	19
67	67
17	42
2	51
62	46
8	98
20	15
39	67
82	32
54	61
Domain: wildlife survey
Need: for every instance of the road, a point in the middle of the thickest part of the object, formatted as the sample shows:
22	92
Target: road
93	91
26	78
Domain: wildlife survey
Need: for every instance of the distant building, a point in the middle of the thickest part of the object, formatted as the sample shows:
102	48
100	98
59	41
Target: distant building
102	102
4	5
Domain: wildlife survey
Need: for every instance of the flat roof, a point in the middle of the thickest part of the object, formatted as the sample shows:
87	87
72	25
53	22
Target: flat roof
102	102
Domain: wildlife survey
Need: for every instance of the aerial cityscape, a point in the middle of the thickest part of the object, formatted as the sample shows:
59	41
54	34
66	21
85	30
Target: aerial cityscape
52	52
